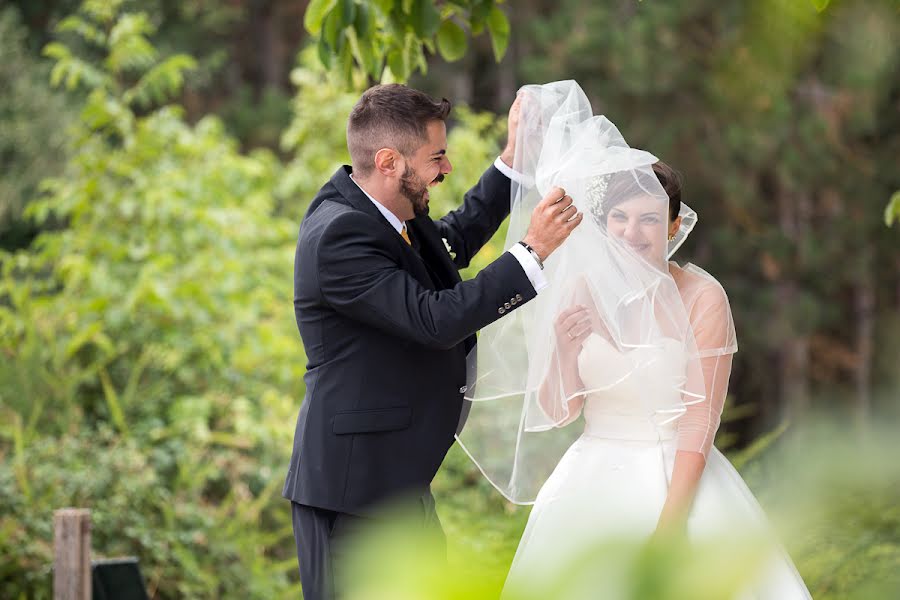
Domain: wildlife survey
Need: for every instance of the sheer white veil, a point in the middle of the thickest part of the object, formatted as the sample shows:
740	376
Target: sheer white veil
524	396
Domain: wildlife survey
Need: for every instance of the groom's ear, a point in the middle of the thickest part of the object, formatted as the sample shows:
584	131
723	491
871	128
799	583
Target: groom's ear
388	162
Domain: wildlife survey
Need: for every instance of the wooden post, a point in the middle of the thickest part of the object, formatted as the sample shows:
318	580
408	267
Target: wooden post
72	554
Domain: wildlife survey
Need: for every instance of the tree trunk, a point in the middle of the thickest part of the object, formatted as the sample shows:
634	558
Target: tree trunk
793	217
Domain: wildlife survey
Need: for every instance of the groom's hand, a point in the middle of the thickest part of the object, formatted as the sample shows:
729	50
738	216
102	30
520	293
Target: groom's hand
552	220
512	123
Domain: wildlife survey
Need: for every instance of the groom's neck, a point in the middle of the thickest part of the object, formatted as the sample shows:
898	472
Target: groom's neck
383	191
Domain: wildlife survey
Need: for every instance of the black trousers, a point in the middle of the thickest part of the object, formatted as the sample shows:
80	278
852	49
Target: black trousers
323	538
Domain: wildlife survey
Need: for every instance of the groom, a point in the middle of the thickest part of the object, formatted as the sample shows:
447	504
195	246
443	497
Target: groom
387	322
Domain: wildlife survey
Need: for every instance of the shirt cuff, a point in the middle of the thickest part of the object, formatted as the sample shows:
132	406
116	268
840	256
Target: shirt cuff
511	173
530	266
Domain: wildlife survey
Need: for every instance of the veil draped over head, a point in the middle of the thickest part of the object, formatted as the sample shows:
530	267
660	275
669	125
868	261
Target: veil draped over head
610	289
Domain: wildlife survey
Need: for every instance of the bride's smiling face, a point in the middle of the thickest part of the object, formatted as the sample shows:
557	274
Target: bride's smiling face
641	222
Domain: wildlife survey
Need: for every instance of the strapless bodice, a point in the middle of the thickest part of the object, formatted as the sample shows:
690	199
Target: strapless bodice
631	392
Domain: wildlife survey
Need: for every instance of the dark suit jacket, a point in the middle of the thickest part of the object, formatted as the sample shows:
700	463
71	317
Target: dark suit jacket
386	329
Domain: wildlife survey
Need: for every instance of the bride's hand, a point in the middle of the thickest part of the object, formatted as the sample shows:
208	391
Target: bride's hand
572	327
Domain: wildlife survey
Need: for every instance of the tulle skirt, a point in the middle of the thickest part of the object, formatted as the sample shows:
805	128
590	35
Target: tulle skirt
608	489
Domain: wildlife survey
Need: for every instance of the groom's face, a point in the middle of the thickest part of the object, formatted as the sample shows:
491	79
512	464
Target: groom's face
426	168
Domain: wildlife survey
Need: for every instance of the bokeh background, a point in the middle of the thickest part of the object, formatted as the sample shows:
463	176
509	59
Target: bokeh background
157	159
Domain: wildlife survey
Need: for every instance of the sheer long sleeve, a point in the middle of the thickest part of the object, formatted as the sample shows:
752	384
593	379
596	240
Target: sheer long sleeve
713	328
559	396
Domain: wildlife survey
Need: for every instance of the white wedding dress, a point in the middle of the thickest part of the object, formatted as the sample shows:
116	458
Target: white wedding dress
612	482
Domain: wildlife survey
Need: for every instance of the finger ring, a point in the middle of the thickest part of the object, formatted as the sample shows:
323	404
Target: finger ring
569	333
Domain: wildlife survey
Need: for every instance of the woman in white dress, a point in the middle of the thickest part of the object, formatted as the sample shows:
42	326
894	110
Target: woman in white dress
598	401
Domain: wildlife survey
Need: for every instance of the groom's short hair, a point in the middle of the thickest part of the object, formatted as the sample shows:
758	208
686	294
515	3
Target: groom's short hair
390	116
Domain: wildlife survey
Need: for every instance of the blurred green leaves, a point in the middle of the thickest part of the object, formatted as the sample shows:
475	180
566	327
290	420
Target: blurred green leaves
160	311
395	558
892	210
33	124
131	72
386	40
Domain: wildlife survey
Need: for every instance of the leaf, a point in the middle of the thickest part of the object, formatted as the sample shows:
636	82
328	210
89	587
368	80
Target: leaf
347	66
480	14
363	52
112	402
451	41
397	65
348	12
821	5
385	6
56	51
324	51
425	18
411	51
498	26
759	446
333	27
163	81
316	13
130	26
82	28
892	210
364	23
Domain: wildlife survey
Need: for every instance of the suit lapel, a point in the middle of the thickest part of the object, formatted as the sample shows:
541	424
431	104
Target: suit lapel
433	251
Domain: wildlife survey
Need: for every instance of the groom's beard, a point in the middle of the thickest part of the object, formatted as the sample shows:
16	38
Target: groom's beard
412	188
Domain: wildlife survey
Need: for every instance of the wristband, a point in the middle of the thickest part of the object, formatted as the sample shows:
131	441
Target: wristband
533	254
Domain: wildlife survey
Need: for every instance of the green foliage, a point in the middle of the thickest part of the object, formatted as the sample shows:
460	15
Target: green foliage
834	496
316	137
387	39
33	123
193	541
132	73
667	569
159	312
892	210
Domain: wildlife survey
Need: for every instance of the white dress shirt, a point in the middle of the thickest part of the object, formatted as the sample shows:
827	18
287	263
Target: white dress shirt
529	264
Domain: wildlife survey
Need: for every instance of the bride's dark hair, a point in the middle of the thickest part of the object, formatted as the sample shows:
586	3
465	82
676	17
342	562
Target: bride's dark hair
670	180
609	190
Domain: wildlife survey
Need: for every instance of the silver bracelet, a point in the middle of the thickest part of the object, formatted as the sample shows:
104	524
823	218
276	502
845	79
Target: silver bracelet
534	254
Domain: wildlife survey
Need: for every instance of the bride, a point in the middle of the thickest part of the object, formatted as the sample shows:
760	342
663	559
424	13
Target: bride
599	400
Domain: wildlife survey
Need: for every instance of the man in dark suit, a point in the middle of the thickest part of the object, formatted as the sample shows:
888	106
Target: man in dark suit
387	322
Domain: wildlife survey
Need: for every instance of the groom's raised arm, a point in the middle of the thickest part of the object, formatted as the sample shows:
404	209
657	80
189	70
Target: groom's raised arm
468	228
485	206
359	276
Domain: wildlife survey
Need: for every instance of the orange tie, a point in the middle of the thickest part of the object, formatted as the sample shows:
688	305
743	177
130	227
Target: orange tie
405	235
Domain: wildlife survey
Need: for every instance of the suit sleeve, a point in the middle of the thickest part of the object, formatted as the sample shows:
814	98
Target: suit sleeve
484	207
359	276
